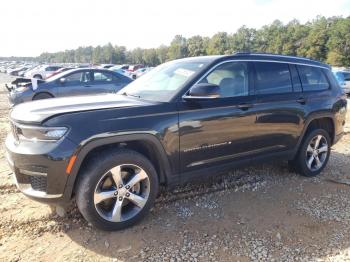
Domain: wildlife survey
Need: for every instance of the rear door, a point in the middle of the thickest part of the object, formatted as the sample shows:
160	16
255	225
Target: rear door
280	107
106	82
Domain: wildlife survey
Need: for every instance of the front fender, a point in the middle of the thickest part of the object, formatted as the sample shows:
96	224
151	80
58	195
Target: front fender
111	138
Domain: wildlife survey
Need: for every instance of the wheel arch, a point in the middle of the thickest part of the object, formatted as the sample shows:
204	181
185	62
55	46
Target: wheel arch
146	144
317	120
44	92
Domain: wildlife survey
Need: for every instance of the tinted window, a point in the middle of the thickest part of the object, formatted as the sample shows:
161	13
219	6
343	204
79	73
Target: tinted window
101	76
232	78
79	77
312	78
346	76
272	78
295	78
52	68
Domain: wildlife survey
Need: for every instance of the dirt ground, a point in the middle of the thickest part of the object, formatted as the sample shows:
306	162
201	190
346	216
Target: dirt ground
259	213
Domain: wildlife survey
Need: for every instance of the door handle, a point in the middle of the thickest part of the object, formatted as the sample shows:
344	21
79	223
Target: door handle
245	106
301	100
87	86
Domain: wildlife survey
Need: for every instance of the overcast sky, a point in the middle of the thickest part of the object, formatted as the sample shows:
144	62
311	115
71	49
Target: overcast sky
29	28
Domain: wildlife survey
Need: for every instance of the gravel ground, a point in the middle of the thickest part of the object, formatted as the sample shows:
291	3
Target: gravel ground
258	213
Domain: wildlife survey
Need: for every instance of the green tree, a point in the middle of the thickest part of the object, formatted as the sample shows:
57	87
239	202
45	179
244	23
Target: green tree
162	53
150	57
339	42
242	40
219	44
196	46
178	48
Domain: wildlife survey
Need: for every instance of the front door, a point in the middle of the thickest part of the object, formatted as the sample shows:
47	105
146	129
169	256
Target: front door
76	83
219	130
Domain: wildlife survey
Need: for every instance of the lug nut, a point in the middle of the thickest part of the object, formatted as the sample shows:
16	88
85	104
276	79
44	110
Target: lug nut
116	193
127	187
127	194
120	186
120	198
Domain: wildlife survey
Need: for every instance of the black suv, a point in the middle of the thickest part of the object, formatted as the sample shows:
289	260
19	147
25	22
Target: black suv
183	120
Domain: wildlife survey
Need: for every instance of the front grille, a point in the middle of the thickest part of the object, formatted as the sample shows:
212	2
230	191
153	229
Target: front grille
38	183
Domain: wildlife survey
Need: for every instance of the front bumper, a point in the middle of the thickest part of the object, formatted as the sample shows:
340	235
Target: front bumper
39	168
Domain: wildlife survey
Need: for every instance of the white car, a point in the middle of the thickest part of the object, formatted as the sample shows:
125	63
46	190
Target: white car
42	72
343	78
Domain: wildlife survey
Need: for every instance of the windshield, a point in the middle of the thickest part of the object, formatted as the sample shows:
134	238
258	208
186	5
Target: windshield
164	81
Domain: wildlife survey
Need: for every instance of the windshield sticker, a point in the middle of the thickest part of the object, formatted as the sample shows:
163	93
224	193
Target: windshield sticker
184	72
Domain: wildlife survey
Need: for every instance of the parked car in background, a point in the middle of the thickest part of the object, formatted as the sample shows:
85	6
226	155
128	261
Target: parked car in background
343	78
106	66
42	72
184	120
63	69
70	83
15	71
118	69
140	72
133	68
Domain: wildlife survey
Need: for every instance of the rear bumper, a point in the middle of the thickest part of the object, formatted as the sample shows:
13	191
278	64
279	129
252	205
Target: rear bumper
39	170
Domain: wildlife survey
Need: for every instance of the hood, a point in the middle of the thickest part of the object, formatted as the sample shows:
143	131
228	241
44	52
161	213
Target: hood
37	111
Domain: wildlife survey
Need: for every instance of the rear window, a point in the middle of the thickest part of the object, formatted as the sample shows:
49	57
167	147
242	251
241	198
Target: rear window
312	78
272	78
52	68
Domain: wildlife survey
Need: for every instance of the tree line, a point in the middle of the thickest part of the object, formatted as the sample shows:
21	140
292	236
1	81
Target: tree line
324	39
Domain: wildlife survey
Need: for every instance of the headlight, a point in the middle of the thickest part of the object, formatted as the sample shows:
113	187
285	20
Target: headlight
21	89
34	133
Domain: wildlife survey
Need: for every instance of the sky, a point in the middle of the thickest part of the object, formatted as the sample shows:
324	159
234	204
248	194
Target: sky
31	27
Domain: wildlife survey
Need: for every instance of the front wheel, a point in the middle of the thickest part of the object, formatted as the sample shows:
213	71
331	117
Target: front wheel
41	96
116	189
313	154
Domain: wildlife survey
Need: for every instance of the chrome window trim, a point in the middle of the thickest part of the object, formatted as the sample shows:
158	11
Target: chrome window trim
248	60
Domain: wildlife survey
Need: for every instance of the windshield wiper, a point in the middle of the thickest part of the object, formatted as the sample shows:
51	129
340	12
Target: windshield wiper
126	94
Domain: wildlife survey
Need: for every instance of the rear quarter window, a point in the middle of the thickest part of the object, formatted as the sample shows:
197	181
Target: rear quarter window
312	78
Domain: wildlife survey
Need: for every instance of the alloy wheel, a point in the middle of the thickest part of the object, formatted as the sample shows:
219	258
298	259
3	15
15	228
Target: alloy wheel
316	153
121	193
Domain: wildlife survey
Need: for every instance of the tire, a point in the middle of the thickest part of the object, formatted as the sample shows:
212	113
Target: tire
38	77
98	173
305	154
42	96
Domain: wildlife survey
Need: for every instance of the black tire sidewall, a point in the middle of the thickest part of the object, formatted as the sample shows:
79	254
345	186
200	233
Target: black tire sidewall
41	96
92	173
301	165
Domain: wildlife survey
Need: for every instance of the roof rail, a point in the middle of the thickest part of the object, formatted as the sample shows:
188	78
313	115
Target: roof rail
272	54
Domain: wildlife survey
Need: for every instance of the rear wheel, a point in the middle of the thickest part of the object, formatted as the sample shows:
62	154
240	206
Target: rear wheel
116	189
38	77
313	154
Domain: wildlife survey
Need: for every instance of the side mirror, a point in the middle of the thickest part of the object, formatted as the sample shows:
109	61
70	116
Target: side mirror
62	80
203	91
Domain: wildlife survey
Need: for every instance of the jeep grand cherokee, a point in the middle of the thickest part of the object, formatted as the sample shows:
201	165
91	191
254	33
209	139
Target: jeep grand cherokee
183	120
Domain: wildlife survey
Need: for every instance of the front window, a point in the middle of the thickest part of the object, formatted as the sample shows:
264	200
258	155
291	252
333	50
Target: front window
232	79
164	81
